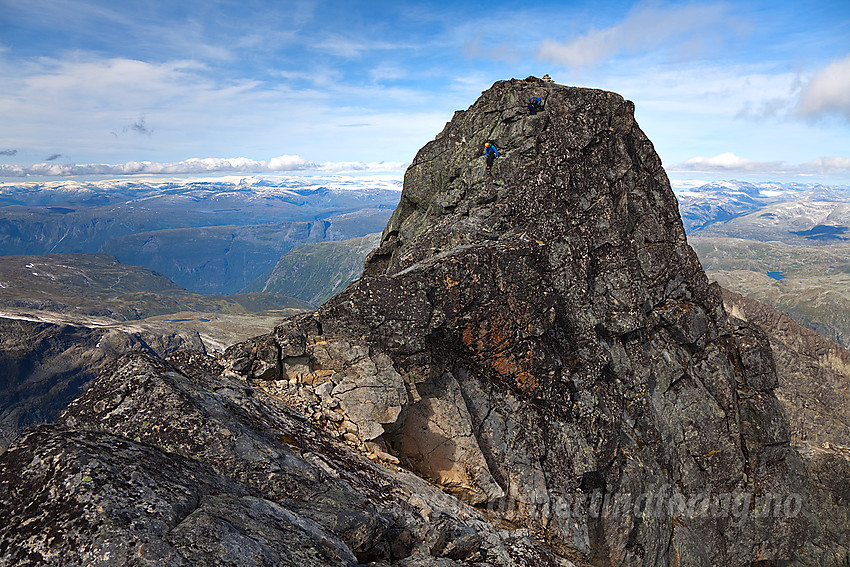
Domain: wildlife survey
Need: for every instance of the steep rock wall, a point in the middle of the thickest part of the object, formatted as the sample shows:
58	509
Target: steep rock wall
557	342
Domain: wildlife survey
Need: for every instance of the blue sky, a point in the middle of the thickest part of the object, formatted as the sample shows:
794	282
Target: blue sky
746	90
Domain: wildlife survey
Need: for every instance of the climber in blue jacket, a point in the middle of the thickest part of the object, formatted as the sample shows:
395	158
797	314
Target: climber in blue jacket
535	104
490	153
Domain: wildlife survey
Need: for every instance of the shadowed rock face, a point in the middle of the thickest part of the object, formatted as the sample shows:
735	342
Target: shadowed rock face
556	338
813	372
814	375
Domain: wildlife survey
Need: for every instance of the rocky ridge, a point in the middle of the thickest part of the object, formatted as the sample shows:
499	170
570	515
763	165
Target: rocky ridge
541	345
814	376
233	477
44	366
530	339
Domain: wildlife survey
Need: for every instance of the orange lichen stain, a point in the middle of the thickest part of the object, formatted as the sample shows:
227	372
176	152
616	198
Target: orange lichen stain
504	365
527	382
498	333
468	337
512	367
491	342
518	371
453	292
286	439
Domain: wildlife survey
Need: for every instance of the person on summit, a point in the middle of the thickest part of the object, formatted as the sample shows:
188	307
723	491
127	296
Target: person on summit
490	153
535	105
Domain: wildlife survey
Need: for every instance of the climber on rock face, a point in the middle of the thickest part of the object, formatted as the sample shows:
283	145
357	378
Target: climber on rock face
491	153
535	105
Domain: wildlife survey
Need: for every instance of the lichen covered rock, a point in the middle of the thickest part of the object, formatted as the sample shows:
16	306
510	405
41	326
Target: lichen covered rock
164	464
558	339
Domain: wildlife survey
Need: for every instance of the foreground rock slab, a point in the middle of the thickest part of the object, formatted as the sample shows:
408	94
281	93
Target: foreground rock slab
168	463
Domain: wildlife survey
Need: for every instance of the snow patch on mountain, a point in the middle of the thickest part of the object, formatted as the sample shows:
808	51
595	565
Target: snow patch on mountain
703	204
45	193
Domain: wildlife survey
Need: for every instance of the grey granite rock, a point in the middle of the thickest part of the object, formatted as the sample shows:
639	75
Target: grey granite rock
90	498
171	463
550	321
43	366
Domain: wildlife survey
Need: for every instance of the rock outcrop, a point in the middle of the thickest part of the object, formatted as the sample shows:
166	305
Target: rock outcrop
813	372
814	377
541	344
170	463
44	366
557	340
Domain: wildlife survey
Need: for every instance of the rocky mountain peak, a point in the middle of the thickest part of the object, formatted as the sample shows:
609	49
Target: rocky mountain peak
577	222
539	343
579	169
531	337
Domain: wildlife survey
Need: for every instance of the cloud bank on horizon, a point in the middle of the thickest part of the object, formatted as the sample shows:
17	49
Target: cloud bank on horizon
283	163
93	87
729	162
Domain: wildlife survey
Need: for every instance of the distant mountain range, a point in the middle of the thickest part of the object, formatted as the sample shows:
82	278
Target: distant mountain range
97	285
764	210
317	272
784	244
67	310
210	236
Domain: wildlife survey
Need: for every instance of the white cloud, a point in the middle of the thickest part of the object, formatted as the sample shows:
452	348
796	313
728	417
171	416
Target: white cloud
388	72
342	166
79	104
195	166
829	165
828	92
95	81
289	163
648	26
354	47
729	163
78	101
477	48
321	77
725	161
823	94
